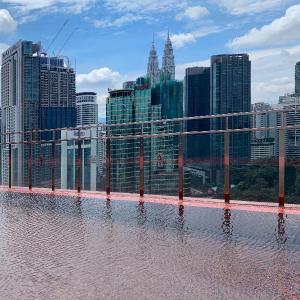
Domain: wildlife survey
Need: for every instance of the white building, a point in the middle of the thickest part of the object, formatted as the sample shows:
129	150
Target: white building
86	108
262	148
89	158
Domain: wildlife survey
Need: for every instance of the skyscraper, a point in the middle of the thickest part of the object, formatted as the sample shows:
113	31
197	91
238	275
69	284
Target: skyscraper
135	105
297	79
86	108
20	88
153	71
38	92
57	94
230	92
168	63
197	103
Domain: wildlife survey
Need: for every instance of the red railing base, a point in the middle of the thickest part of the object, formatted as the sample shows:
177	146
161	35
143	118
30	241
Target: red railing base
227	198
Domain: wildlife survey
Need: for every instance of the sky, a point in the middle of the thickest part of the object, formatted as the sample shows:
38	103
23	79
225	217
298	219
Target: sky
108	41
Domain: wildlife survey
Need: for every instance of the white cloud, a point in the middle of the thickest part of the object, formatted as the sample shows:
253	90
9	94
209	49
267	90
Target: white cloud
144	6
121	21
181	39
72	6
7	23
193	13
98	76
248	7
99	80
280	32
180	69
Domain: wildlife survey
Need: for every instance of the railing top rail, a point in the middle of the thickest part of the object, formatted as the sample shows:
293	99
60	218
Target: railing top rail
155	135
104	127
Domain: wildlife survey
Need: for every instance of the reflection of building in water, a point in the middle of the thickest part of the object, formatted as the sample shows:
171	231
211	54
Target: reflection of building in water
89	158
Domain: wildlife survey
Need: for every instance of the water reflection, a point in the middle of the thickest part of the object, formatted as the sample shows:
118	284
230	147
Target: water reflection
281	236
227	227
78	248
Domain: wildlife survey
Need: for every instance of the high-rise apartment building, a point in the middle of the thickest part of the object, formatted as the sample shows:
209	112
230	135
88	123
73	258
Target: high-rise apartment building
230	93
297	79
37	92
197	103
20	96
86	108
292	136
57	94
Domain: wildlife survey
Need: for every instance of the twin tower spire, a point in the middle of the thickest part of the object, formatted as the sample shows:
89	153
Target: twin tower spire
168	64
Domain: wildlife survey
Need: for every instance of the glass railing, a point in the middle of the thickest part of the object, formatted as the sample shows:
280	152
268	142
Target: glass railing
217	156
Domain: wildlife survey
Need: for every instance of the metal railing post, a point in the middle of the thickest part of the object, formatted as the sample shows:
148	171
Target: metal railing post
281	163
226	163
53	162
180	166
142	181
107	167
9	162
30	163
79	160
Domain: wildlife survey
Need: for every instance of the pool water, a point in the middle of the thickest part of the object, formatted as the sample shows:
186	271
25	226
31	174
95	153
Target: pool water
57	247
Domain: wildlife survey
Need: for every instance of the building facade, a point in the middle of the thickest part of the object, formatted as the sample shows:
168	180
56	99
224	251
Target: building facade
89	158
153	72
197	103
297	79
86	108
160	163
230	93
20	87
37	92
168	61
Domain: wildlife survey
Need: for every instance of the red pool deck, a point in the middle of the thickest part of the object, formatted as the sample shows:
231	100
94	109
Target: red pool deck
264	207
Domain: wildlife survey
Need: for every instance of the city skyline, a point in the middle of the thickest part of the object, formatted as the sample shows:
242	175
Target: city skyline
196	35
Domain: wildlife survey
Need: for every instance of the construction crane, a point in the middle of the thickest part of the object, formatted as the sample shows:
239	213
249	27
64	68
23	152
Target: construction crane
57	34
66	41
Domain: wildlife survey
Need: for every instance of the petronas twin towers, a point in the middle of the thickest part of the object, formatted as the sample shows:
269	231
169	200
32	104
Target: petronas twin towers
168	64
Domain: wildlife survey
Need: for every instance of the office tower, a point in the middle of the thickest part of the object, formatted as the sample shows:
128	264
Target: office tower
292	136
261	119
20	95
168	63
197	103
153	71
134	105
230	93
169	94
263	142
297	79
86	108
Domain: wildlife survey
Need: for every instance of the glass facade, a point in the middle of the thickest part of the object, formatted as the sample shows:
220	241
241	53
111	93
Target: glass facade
197	103
160	155
230	93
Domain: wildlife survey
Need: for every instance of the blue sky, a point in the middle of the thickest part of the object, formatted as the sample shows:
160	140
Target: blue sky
113	37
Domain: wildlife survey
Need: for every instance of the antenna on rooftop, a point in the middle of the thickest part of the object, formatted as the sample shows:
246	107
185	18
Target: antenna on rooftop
57	34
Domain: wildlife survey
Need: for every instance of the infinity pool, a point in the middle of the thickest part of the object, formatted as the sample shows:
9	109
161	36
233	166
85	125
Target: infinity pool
57	247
